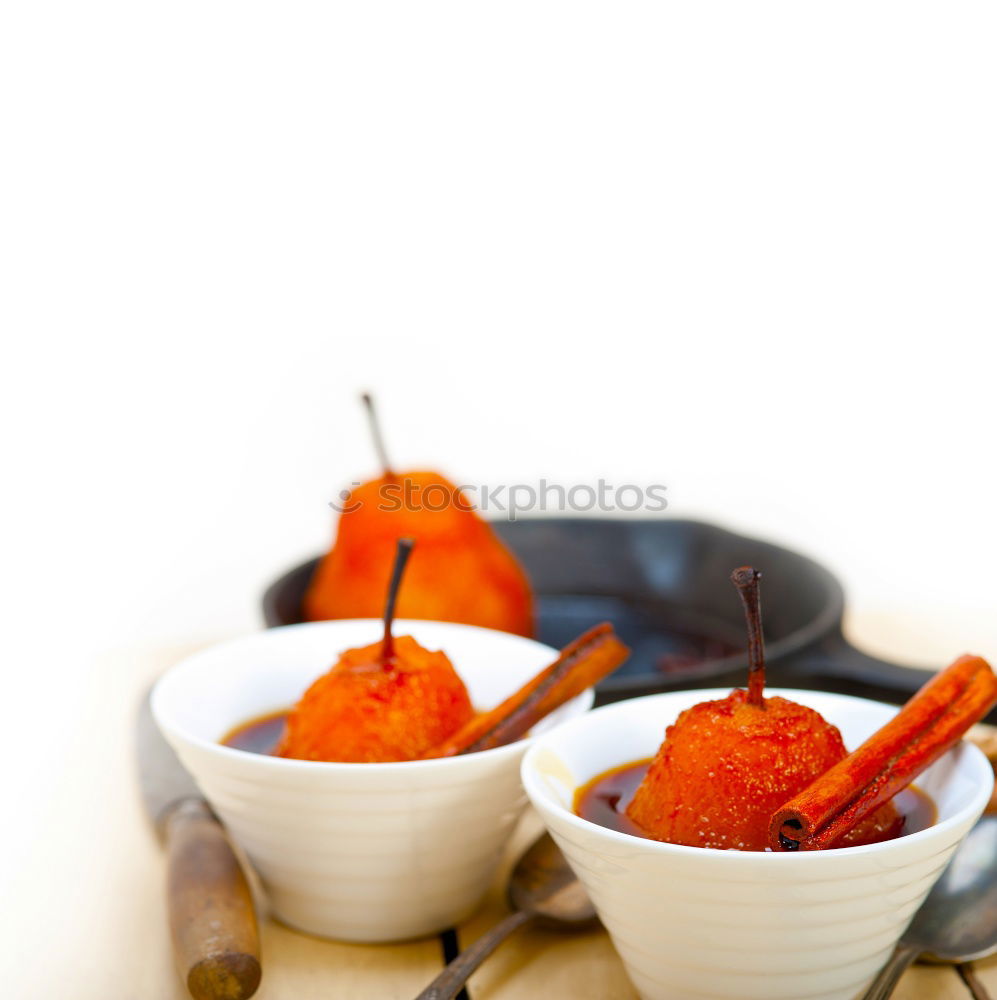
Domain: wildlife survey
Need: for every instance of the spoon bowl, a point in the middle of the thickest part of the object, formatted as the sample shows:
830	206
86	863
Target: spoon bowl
958	920
542	889
543	884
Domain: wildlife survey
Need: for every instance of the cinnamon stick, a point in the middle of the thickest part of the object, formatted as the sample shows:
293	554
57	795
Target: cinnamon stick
581	664
931	723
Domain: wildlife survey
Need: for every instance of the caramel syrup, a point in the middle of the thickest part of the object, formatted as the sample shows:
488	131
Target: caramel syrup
259	735
605	798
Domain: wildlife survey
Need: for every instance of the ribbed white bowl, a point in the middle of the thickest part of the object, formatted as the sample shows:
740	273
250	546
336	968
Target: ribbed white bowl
695	924
360	852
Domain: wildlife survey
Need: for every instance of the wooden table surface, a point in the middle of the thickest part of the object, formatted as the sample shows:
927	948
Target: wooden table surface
103	903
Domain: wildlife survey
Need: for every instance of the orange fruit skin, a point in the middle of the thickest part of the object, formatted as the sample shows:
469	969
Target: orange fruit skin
459	570
726	766
364	711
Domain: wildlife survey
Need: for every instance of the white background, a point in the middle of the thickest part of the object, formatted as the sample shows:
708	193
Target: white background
747	251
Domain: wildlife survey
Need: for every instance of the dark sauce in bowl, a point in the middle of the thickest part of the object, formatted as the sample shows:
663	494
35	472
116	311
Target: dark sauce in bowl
605	798
259	735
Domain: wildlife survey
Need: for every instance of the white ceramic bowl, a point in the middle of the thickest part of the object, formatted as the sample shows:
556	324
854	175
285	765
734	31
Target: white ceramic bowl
707	924
359	852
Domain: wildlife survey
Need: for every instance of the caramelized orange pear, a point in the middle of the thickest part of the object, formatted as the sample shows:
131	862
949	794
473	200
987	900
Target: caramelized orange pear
462	572
726	766
368	710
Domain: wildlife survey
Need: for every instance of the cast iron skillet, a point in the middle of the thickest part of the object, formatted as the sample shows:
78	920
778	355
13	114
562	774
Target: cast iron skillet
664	585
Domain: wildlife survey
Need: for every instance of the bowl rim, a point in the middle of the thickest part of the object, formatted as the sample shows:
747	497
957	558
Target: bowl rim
176	733
542	799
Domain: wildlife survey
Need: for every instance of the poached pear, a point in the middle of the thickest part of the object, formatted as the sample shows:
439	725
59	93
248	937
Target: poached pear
726	766
389	701
461	572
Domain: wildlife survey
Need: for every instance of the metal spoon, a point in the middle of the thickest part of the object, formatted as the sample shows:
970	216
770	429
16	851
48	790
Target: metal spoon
543	888
958	920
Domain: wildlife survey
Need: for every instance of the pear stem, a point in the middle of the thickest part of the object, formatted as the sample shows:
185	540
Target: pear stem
746	578
375	433
404	550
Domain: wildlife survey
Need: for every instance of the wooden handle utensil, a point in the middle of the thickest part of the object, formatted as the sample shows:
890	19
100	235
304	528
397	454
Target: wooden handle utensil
212	920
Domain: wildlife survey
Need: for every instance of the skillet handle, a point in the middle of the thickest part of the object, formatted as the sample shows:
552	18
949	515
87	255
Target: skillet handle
836	665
